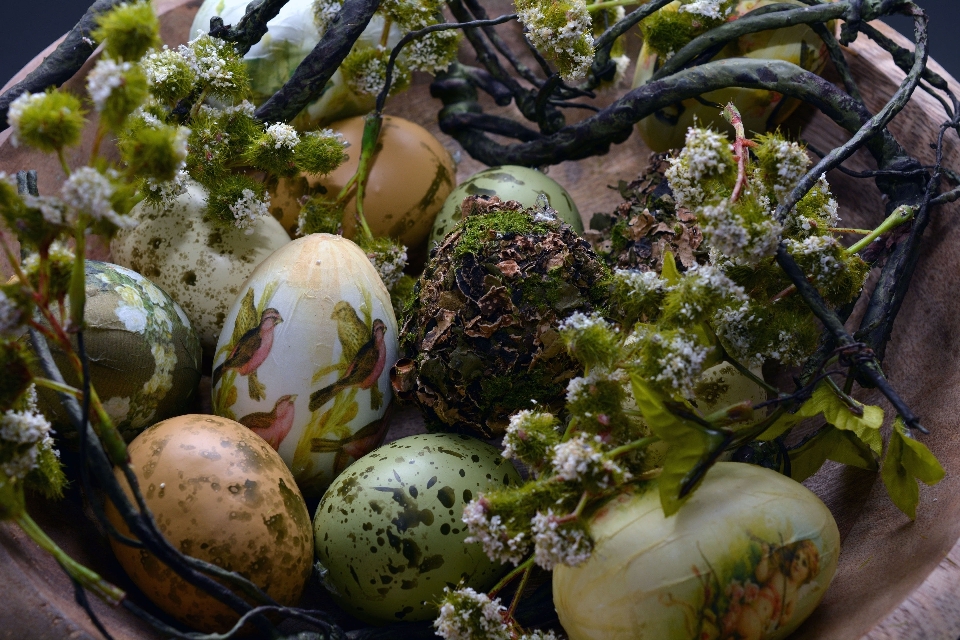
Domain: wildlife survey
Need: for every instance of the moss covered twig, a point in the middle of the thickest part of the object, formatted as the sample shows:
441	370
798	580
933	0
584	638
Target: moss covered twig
252	26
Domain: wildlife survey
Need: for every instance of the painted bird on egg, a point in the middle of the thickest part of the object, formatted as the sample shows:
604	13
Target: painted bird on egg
315	335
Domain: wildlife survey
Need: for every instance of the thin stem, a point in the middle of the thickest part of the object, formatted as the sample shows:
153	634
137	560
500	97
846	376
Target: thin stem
56	386
507	579
520	589
624	449
385	34
611	4
862	232
901	214
63	162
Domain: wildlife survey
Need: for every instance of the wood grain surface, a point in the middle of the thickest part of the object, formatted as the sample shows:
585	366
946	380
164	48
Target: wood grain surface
896	579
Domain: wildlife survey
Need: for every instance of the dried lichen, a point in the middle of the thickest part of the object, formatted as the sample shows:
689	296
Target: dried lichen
481	338
647	225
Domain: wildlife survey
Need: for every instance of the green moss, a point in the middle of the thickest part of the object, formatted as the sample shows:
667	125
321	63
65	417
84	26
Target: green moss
669	30
480	229
505	394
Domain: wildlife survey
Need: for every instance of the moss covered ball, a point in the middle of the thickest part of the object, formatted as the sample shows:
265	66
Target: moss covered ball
481	337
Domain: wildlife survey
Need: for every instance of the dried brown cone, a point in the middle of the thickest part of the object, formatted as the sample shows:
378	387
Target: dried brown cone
481	340
647	225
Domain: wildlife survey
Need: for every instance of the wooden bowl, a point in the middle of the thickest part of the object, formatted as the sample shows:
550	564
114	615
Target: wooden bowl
896	579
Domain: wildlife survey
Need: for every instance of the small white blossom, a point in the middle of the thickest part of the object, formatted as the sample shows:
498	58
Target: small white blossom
525	425
556	544
680	362
161	66
539	635
369	77
579	459
206	56
22	434
825	248
283	135
53	209
105	76
579	388
248	209
389	263
168	191
492	534
10	316
15	112
432	53
468	615
88	192
324	11
707	9
580	322
792	163
727	232
705	155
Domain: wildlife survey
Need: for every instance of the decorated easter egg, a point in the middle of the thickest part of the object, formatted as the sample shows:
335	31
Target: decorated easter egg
221	494
750	555
509	182
305	356
144	355
761	110
410	177
389	534
201	265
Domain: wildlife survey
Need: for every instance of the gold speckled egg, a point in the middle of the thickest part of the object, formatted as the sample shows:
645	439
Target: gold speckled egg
221	494
411	177
200	265
144	354
305	355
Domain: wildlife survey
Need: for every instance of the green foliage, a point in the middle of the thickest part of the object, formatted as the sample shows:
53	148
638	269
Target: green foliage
906	462
592	341
669	30
319	153
266	154
48	121
401	296
834	444
479	229
129	30
220	69
48	478
169	74
318	215
231	189
15	363
156	152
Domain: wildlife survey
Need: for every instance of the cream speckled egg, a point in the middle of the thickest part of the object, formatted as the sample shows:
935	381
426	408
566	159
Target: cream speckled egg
305	355
389	530
220	494
750	555
200	265
144	354
510	182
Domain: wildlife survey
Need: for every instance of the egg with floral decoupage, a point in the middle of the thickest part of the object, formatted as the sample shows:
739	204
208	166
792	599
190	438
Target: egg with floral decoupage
200	264
305	355
144	354
389	533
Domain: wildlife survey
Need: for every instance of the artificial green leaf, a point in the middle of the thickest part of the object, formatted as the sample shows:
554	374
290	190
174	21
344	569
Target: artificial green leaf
691	448
830	444
837	413
669	271
783	423
907	461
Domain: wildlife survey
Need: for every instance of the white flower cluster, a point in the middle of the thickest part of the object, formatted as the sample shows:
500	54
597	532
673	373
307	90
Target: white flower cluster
88	192
561	43
681	361
283	135
641	282
248	209
161	66
10	316
206	56
389	263
15	112
578	460
468	615
492	534
707	283
825	250
22	435
707	9
792	164
369	77
324	11
168	191
579	388
726	231
105	76
556	543
539	635
580	322
703	156
431	53
523	426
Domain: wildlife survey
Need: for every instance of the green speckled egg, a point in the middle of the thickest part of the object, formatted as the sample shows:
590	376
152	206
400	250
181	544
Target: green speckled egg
388	531
509	182
144	353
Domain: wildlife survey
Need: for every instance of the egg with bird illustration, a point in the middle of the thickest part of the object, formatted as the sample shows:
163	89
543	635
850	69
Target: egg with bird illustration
305	354
389	532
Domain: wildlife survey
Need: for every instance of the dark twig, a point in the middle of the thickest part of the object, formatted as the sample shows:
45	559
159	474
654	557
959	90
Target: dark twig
80	596
252	26
65	61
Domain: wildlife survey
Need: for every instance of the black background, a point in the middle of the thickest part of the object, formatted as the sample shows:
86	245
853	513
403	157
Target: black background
28	26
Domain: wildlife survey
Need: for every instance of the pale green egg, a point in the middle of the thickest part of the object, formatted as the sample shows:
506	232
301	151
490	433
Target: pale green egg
509	182
389	534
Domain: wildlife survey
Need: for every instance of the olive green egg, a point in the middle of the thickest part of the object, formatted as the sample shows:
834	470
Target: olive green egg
388	532
144	354
509	182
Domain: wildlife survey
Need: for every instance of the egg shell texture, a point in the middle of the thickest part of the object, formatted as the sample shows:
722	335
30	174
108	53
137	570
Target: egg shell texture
750	555
144	355
305	355
509	182
389	530
221	494
201	265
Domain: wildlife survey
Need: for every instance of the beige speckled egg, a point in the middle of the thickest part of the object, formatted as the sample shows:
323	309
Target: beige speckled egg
411	176
221	494
305	355
144	354
201	266
389	531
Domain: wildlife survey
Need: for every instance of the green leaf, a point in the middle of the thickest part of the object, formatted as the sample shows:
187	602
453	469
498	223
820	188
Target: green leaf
830	444
669	272
837	413
691	448
906	462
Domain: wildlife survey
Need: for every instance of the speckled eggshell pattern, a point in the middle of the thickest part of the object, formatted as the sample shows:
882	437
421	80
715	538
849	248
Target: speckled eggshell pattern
201	265
305	355
221	494
749	555
509	182
389	530
144	354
